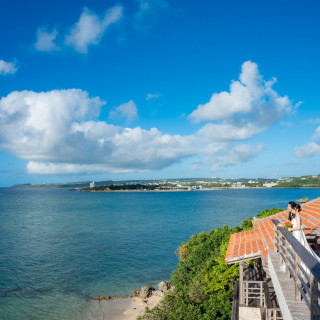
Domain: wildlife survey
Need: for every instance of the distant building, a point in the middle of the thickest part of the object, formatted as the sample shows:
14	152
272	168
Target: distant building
238	185
92	184
270	184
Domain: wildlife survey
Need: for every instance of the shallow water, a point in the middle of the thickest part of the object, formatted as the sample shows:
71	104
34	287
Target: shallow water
58	246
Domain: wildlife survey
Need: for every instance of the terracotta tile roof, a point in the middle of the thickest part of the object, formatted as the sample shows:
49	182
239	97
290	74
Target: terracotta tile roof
256	242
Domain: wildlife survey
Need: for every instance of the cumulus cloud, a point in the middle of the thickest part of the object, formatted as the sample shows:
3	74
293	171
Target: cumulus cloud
228	131
58	132
153	96
37	126
90	28
250	94
7	67
238	154
249	108
311	148
127	111
45	40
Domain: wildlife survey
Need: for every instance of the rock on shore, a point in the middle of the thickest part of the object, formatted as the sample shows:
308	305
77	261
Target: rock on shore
144	292
165	286
129	308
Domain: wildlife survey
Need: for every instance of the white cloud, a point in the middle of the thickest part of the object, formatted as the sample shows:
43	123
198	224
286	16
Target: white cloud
153	96
7	67
316	136
57	132
212	149
37	126
34	167
45	40
310	149
238	154
248	109
249	95
228	131
90	28
127	111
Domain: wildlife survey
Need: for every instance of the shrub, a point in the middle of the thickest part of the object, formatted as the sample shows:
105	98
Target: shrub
203	280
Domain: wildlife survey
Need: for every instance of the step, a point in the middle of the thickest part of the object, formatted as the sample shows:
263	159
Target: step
285	291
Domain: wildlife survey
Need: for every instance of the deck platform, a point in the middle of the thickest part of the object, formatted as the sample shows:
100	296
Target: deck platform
285	291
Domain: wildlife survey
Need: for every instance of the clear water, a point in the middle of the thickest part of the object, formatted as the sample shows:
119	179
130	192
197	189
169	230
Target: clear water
58	247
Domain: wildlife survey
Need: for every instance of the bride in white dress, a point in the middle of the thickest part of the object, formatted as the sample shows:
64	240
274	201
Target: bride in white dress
298	233
297	230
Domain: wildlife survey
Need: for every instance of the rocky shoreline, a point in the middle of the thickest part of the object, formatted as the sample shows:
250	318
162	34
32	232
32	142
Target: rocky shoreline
129	308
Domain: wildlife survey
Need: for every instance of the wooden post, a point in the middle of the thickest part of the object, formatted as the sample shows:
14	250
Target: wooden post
281	249
275	237
241	281
286	255
261	294
313	297
297	280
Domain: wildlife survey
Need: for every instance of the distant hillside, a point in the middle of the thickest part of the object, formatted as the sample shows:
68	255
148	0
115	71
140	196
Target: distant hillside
300	182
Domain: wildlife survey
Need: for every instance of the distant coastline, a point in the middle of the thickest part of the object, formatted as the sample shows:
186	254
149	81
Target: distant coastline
184	184
211	189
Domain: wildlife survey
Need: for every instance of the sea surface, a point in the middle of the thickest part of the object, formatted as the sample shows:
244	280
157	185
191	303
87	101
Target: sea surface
58	247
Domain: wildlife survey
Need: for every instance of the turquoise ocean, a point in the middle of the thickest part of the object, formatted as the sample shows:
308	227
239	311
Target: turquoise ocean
60	247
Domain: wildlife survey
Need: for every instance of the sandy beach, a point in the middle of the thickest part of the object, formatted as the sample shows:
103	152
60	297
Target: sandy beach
128	308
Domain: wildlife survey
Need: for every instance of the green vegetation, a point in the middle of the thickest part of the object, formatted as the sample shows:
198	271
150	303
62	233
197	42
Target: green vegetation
301	182
247	224
203	280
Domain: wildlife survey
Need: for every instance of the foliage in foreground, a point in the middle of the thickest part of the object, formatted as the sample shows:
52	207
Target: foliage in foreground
203	280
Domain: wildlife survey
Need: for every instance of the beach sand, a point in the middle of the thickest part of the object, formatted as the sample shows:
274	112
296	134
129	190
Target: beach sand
128	308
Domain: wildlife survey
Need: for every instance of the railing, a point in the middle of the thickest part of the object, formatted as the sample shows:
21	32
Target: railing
256	294
301	266
251	291
272	313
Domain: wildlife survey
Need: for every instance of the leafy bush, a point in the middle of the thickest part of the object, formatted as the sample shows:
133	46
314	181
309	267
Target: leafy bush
203	280
266	212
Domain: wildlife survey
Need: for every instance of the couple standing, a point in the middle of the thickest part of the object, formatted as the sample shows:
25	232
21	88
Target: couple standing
297	229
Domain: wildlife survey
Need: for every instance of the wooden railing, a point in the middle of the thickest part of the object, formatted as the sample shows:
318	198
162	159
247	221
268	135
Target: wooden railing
272	313
252	291
301	266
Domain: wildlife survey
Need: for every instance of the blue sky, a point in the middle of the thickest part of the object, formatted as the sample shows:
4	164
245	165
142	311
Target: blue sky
95	90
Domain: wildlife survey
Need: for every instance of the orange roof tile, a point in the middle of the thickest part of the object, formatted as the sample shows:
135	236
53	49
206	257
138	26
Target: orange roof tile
256	242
